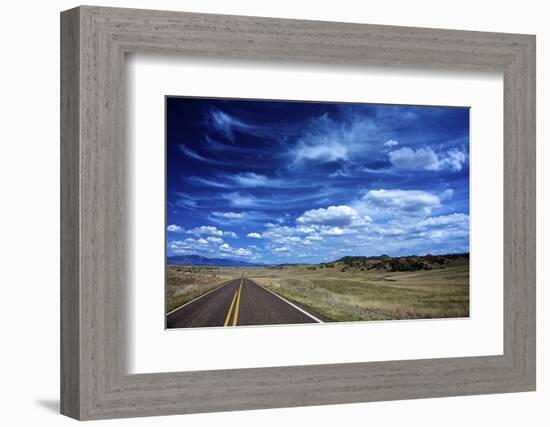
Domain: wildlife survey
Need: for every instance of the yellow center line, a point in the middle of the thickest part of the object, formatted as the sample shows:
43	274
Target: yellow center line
237	306
230	309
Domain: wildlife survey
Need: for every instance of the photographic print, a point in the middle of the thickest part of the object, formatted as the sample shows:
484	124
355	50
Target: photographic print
296	212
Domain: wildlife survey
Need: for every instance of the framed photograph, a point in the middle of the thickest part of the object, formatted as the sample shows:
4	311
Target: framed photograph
349	208
292	212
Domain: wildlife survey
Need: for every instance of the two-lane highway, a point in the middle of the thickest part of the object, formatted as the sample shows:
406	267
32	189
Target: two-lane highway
238	302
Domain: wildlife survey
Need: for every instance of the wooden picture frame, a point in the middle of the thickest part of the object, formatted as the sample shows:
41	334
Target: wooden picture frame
94	382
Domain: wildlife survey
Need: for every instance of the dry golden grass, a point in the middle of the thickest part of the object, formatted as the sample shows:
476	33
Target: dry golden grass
372	295
186	283
341	296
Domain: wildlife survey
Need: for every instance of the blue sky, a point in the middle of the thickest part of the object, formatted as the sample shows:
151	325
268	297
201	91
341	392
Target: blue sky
277	181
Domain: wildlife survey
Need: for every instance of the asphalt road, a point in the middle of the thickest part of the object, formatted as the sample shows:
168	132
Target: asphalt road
236	303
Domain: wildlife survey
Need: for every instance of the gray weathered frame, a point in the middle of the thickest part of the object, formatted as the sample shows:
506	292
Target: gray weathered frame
94	41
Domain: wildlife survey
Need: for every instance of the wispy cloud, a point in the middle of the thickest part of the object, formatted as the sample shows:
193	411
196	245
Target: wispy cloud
185	201
328	140
248	180
228	215
275	201
196	156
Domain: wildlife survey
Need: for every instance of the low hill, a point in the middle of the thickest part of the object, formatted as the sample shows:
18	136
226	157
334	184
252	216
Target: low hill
404	263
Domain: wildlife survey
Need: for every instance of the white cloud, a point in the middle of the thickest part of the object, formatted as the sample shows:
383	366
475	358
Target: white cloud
227	124
326	151
196	156
215	240
391	143
254	235
241	200
327	140
205	229
190	245
173	228
399	202
342	216
426	159
315	238
282	249
333	231
242	252
226	248
228	215
230	234
453	160
306	229
455	219
251	179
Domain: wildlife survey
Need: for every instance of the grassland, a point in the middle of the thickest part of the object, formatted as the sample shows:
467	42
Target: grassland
186	283
337	292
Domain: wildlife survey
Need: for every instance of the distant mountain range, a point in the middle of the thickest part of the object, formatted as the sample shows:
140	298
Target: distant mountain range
214	262
381	262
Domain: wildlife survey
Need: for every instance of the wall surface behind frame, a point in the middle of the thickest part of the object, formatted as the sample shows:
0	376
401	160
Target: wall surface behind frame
29	218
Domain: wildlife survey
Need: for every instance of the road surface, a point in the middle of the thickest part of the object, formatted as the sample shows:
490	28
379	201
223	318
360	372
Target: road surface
236	303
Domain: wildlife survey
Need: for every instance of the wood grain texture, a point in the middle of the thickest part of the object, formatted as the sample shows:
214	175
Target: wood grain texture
70	296
95	383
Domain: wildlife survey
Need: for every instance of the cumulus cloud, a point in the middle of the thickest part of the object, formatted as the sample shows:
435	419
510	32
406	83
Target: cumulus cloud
210	230
215	240
205	229
281	249
254	235
343	216
243	252
228	215
173	228
333	231
425	158
191	245
399	202
391	143
240	252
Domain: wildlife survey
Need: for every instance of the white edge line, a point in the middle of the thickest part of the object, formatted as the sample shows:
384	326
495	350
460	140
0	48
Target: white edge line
288	302
200	296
